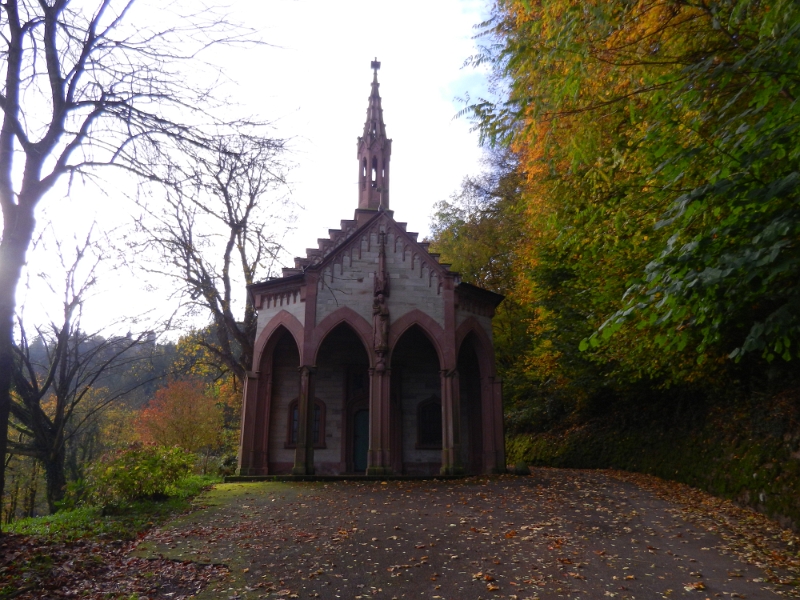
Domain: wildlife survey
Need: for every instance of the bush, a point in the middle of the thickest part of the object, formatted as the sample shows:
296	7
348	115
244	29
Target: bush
136	473
227	465
121	523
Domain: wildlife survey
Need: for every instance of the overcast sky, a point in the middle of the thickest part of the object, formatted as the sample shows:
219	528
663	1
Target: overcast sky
315	83
312	81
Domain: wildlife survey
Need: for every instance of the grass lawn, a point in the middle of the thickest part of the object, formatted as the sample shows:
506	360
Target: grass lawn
123	523
93	542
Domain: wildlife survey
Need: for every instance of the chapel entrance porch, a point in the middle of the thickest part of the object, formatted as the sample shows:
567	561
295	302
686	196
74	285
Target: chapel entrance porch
420	432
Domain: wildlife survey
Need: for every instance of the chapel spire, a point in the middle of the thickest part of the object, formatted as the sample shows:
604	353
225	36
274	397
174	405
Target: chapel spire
374	151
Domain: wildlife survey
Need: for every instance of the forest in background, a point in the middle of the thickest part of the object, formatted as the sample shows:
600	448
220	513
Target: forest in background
639	211
104	420
132	399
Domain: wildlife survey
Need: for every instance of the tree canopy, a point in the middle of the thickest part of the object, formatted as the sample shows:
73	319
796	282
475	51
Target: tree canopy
655	221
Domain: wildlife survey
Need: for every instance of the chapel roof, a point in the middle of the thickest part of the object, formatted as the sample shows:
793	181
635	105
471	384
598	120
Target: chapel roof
373	147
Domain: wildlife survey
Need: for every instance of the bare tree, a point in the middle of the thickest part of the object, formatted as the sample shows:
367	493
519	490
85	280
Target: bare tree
84	85
62	377
218	234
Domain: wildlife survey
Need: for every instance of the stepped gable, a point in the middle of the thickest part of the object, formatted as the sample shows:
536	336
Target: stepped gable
342	242
371	356
332	250
371	218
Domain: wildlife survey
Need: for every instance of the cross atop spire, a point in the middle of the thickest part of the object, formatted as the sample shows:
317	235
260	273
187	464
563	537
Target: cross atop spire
374	150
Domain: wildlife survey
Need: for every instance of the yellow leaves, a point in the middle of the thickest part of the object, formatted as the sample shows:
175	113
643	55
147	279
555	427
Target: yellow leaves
694	586
49	405
575	575
117	426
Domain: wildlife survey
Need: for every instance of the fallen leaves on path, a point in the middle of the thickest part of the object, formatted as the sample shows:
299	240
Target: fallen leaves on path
751	536
555	534
33	569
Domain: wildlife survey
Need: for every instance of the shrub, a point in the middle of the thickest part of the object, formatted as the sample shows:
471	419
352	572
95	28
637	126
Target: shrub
182	414
138	472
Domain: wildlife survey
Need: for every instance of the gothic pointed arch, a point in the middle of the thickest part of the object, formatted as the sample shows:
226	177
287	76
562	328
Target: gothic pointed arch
482	448
485	349
342	371
363	173
417	399
432	330
275	366
341	315
283	319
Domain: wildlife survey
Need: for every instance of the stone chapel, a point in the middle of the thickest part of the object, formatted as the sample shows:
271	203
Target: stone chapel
371	356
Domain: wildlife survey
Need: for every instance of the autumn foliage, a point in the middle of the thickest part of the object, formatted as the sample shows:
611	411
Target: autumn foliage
657	220
644	226
182	414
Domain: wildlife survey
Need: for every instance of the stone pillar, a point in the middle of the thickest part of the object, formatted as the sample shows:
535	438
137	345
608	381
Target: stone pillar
499	436
379	456
396	428
304	452
263	413
451	424
247	436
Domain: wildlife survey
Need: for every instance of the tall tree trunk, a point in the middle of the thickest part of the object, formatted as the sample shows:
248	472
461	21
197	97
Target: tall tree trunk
13	501
29	503
56	480
18	225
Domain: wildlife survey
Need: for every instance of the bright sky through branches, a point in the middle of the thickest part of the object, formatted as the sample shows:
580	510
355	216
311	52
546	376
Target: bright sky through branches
312	80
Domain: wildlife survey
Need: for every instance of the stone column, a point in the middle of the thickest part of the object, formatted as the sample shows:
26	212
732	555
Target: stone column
395	427
248	428
379	456
451	424
263	413
499	436
304	452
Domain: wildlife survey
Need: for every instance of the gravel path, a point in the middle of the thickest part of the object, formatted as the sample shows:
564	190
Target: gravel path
555	534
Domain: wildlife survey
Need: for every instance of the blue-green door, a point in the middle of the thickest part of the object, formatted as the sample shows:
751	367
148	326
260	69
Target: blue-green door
360	440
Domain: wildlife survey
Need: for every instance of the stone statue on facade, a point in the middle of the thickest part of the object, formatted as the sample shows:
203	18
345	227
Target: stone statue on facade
380	310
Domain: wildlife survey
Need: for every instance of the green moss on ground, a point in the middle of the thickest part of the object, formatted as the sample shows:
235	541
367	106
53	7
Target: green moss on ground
124	523
224	505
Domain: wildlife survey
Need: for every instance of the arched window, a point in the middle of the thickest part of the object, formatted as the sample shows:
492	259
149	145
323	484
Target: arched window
294	424
363	173
374	171
429	423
